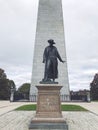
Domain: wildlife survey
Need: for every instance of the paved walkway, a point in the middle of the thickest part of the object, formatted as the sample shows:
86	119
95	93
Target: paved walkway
19	120
6	106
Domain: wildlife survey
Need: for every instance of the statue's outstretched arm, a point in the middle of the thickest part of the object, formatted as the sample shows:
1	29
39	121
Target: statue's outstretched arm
59	57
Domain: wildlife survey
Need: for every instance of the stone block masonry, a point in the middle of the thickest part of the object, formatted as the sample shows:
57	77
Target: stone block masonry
49	26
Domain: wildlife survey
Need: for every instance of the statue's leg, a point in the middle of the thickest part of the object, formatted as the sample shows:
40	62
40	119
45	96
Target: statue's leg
47	66
54	68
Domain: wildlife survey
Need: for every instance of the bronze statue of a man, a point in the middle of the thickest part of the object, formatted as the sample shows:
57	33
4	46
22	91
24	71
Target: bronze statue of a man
50	57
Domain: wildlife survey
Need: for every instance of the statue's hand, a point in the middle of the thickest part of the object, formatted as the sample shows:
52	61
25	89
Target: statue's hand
43	61
63	61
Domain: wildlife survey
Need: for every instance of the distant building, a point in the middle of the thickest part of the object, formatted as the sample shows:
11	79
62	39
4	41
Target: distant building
81	95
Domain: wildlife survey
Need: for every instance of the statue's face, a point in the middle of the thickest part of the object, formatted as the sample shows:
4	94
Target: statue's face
51	44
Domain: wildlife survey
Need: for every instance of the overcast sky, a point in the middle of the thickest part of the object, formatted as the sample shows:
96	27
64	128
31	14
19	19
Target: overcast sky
17	34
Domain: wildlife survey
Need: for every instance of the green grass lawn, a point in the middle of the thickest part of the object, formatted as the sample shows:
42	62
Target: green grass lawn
30	107
69	107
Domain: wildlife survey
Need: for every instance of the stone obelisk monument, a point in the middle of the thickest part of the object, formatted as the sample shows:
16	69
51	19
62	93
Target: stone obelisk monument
49	26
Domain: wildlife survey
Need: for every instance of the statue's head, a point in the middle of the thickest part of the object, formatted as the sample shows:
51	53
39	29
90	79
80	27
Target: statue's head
51	41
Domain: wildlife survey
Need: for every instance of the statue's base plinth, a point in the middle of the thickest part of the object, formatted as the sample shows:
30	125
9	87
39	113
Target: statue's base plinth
48	82
48	125
48	113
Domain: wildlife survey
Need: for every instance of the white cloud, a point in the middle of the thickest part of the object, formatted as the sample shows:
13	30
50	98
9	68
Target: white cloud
81	18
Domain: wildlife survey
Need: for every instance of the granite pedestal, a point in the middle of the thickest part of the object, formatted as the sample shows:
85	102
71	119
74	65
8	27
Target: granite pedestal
48	113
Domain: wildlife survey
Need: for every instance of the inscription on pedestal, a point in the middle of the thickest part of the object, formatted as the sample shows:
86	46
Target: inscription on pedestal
49	103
